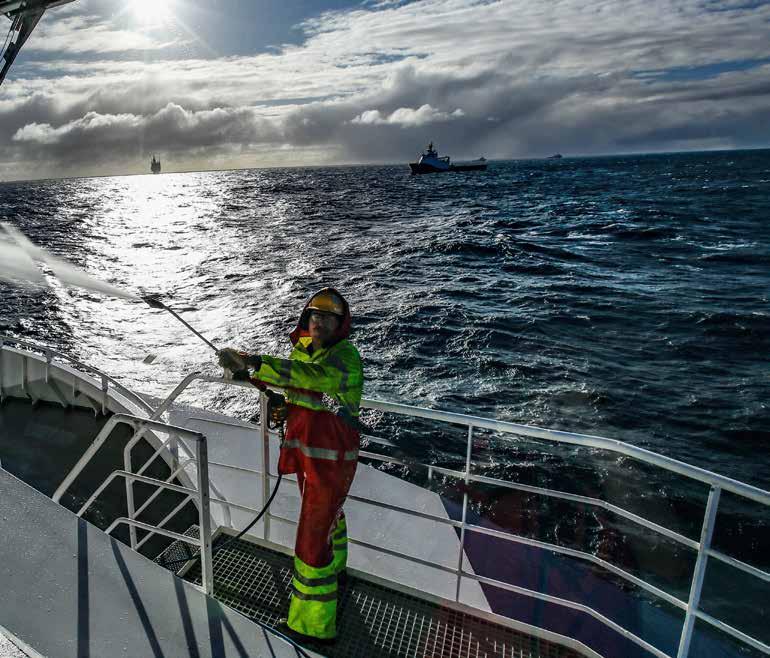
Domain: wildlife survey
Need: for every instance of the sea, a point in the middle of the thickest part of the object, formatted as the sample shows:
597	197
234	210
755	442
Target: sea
620	296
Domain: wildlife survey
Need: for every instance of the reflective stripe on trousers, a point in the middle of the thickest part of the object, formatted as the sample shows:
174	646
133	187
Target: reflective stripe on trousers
320	453
313	606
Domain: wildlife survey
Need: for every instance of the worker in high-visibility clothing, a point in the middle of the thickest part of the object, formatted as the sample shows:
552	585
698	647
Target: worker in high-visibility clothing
323	379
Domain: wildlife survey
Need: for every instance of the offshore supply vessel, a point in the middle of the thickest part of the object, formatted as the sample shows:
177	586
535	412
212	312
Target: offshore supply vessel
431	163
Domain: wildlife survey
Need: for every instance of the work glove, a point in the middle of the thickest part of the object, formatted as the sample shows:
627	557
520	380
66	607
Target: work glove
241	375
231	359
276	408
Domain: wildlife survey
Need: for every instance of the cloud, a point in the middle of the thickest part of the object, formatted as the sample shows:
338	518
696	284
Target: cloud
406	116
80	34
172	127
503	79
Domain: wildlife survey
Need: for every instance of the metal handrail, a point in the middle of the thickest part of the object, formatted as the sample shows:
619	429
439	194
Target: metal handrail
685	541
140	428
106	380
204	497
716	482
699	571
586	440
138	434
147	526
749	569
730	630
179	488
642	584
503	585
574	606
104	377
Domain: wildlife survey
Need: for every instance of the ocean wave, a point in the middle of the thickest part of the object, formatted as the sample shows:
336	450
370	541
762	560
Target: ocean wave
738	257
733	324
635	232
593	296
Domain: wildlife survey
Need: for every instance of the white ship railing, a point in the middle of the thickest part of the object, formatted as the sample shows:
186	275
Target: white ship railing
104	379
140	425
716	483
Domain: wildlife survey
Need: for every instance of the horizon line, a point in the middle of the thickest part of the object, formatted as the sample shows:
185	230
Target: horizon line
389	164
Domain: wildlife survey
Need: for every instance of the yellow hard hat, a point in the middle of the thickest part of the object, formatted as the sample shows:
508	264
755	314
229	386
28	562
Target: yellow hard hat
327	301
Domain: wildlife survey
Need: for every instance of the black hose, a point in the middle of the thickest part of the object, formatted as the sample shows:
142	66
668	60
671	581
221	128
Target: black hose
236	537
251	525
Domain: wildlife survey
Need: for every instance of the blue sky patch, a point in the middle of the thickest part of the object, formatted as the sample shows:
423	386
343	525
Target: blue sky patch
705	72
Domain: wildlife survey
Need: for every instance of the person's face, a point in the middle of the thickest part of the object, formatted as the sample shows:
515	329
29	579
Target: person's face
322	327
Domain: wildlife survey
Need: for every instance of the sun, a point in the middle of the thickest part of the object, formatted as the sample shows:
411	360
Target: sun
153	11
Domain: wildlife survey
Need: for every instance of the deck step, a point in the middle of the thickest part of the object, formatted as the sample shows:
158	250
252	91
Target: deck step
373	621
178	553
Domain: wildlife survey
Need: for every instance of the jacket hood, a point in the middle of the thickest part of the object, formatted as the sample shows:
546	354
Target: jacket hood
302	329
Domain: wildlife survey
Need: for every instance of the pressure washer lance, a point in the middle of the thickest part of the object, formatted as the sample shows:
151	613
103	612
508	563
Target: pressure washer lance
153	301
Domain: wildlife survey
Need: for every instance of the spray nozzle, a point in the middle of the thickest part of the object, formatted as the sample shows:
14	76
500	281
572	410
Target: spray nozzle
153	301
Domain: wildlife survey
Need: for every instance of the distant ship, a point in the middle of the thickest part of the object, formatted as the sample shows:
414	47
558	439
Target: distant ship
155	165
431	163
555	156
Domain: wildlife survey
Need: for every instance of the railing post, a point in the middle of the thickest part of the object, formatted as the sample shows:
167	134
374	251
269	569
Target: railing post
48	360
130	507
265	436
105	394
2	353
465	511
204	515
699	571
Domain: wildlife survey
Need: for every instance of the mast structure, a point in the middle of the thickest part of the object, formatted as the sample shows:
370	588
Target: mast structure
24	16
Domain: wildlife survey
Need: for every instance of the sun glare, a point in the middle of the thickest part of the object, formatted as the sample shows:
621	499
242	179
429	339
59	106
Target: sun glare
153	11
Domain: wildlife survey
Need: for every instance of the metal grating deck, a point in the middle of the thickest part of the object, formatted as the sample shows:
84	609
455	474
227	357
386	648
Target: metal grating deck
372	620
